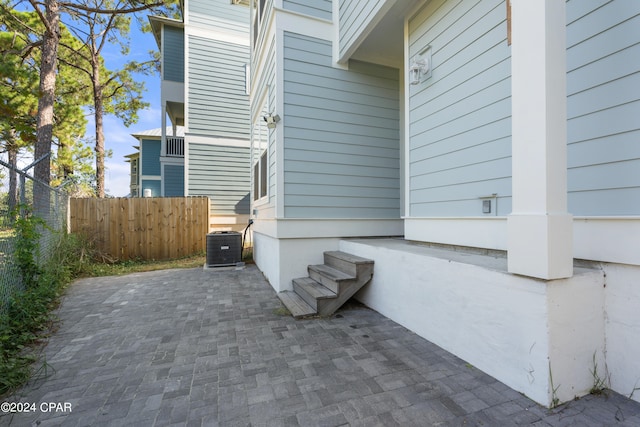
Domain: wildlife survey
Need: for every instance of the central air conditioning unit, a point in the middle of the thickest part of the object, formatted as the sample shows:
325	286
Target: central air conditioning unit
224	248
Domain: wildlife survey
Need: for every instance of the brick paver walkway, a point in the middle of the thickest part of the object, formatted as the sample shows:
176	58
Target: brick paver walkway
209	347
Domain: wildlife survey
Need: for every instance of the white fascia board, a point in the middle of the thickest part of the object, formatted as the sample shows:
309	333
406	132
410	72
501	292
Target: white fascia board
208	140
607	239
602	239
279	134
325	228
217	35
478	232
307	25
406	123
335	14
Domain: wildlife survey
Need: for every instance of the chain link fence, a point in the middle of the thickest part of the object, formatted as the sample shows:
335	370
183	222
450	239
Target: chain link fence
22	196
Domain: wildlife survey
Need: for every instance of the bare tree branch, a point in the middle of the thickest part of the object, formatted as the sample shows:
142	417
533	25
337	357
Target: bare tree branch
104	35
114	91
72	65
42	16
75	51
76	6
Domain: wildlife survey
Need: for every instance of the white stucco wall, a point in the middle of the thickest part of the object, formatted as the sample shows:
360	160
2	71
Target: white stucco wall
623	328
282	260
576	332
514	328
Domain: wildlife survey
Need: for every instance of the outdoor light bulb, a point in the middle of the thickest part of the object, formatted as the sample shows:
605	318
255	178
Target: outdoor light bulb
417	69
420	69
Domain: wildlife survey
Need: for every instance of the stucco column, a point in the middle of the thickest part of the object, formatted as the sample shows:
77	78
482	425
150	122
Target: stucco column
539	227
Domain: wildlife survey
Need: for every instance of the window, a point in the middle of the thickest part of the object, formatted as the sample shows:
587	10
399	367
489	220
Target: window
260	157
260	177
263	174
256	181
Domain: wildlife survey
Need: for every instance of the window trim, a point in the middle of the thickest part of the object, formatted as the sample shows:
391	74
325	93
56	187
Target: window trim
261	176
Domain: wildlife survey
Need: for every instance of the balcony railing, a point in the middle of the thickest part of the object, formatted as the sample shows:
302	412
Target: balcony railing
175	146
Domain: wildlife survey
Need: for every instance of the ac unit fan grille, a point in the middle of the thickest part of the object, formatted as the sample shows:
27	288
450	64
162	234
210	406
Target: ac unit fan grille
224	248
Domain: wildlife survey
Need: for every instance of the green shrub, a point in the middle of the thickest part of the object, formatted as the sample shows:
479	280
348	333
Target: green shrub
28	317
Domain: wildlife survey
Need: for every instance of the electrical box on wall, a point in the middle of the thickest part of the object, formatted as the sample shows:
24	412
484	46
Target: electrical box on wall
489	204
486	206
224	248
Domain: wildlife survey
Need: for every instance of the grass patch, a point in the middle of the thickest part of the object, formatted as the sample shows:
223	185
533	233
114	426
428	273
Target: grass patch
99	269
282	311
600	384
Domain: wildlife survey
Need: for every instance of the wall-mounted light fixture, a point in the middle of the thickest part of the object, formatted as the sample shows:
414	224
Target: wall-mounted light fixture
420	68
271	120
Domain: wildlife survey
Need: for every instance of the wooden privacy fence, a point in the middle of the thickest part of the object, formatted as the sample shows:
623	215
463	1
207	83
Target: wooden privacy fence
143	228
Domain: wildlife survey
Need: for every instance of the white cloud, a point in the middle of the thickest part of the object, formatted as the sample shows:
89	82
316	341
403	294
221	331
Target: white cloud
117	178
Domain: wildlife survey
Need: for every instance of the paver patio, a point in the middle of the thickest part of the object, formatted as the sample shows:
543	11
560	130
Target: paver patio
211	347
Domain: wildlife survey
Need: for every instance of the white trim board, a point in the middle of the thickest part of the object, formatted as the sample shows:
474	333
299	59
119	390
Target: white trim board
606	239
209	140
327	228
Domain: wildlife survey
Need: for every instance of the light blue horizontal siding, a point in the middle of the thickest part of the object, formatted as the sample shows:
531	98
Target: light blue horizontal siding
217	102
273	152
150	157
173	54
173	180
460	118
265	86
222	173
603	106
220	15
317	8
341	137
355	15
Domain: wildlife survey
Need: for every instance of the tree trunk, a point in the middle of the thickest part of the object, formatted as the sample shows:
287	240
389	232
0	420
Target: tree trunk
44	132
98	115
12	152
65	159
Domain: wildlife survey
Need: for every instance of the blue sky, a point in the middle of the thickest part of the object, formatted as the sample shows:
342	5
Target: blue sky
118	137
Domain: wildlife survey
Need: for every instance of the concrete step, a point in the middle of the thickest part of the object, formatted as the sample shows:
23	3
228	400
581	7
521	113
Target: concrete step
296	305
330	277
329	285
311	291
345	262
